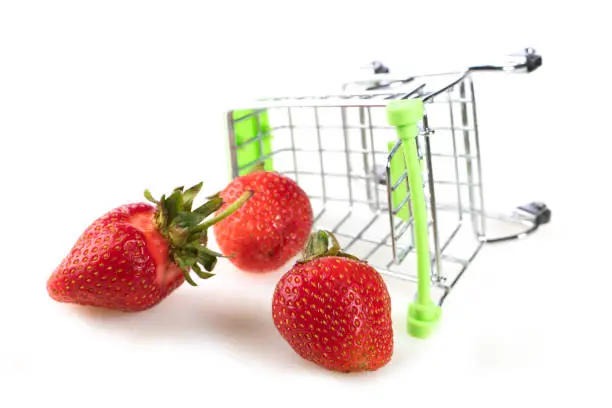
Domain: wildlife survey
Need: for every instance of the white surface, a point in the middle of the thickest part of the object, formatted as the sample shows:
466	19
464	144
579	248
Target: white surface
98	102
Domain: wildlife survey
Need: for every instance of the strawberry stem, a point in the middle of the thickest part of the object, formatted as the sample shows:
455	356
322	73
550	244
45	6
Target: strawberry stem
187	230
335	244
317	244
229	210
318	247
260	166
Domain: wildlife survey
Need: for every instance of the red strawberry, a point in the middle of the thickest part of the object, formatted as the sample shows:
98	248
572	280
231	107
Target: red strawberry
334	309
134	256
271	228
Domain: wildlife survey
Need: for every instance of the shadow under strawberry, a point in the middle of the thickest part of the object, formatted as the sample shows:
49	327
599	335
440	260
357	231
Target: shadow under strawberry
235	321
212	317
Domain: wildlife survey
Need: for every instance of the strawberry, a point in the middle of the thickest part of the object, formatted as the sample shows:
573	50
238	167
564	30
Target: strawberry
135	255
271	228
334	310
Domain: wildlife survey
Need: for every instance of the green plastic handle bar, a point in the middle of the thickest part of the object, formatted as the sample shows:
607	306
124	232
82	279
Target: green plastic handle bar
247	125
423	313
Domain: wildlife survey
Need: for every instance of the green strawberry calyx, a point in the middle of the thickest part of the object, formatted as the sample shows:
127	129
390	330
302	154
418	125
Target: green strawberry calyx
317	246
260	167
186	229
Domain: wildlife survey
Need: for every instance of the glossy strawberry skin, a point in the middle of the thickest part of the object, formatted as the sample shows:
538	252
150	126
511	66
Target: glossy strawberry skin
336	313
271	228
120	262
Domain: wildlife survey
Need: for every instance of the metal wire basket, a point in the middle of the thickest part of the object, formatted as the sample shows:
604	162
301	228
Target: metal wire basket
392	166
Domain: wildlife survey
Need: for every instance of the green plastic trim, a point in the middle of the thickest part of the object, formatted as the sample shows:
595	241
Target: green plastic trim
423	313
247	129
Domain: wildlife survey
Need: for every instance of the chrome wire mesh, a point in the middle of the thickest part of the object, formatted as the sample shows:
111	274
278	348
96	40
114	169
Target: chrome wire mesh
340	149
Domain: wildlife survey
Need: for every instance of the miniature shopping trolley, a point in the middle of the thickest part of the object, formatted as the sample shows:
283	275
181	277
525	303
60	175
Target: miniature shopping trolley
392	166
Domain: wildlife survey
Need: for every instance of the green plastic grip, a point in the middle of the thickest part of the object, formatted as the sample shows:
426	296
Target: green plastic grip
247	125
423	313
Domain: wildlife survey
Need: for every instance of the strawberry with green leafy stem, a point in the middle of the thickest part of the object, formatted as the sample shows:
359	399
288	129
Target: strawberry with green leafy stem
334	309
134	256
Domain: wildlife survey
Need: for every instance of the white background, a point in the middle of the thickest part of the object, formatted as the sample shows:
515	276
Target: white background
99	100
